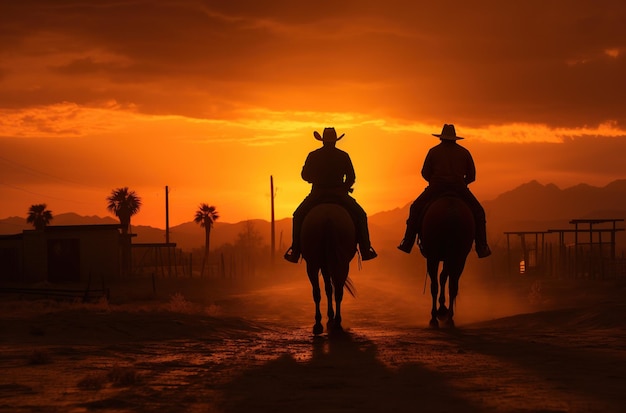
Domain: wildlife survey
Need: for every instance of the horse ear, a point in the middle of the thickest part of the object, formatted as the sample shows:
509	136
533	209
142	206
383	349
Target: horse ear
317	135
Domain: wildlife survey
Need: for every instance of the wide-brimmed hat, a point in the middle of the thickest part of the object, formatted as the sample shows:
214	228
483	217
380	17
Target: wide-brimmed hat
329	135
448	133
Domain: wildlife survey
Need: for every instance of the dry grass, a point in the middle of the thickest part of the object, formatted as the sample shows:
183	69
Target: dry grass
123	376
38	357
118	376
92	382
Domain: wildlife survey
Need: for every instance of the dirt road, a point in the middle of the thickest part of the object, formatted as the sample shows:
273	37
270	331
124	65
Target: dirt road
254	351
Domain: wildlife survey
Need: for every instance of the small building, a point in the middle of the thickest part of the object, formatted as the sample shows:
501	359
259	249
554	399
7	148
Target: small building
63	253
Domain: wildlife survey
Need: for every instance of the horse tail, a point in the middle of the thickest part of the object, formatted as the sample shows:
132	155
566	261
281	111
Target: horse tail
349	286
336	256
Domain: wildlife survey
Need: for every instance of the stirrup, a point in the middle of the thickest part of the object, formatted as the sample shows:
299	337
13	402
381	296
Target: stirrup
405	246
368	254
292	256
483	251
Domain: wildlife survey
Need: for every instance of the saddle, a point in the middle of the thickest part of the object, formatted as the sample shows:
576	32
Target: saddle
331	196
422	213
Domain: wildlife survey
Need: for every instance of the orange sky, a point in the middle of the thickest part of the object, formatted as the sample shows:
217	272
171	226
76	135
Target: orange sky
213	97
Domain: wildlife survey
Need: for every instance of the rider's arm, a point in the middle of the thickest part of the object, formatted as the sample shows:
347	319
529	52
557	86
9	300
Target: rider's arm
470	174
350	176
427	168
306	173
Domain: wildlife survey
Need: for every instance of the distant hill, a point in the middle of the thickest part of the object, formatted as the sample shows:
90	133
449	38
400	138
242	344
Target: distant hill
187	236
536	207
190	235
15	225
529	207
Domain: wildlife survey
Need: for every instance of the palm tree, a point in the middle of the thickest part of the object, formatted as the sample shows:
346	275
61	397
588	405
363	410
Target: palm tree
206	215
124	204
39	216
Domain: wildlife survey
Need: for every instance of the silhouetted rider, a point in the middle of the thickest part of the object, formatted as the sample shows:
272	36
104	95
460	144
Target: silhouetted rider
448	167
332	175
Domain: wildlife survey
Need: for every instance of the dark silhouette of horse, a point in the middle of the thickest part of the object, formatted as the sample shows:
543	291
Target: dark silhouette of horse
328	242
447	236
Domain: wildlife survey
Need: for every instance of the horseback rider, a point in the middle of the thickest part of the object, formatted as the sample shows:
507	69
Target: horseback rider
448	167
332	175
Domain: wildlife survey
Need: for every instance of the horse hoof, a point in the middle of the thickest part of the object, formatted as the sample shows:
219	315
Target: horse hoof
318	329
336	328
442	313
450	323
433	323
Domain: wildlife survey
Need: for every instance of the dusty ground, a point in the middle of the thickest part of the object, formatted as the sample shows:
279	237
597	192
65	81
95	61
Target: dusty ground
521	345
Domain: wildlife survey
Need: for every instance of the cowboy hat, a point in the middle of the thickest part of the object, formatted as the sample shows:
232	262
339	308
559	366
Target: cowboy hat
448	133
329	135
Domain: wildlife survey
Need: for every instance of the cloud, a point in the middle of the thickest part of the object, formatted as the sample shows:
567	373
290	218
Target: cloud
490	62
62	120
529	133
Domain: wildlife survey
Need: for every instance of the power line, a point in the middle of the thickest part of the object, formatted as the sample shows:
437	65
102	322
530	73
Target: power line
37	172
42	195
34	171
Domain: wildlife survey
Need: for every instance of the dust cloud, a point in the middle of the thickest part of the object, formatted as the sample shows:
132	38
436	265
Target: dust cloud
391	290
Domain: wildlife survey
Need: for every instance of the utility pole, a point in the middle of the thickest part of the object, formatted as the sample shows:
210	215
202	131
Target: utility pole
273	224
167	231
167	216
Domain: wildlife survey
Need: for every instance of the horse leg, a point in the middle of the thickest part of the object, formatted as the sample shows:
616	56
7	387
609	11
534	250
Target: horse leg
338	300
442	312
341	275
455	275
313	274
454	290
328	286
433	269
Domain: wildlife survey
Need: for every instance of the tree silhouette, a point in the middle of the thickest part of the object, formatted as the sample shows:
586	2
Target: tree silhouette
39	216
206	215
124	204
249	238
249	245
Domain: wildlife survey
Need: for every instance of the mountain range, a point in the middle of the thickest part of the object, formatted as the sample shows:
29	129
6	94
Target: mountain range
529	207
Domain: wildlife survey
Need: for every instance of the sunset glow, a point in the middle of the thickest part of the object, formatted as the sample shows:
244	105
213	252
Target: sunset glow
213	98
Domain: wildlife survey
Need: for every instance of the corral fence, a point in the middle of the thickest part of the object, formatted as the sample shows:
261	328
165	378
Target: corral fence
587	251
165	261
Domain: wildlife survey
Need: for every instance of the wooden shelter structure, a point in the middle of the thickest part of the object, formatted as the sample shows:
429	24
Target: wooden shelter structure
532	251
592	253
155	258
586	251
